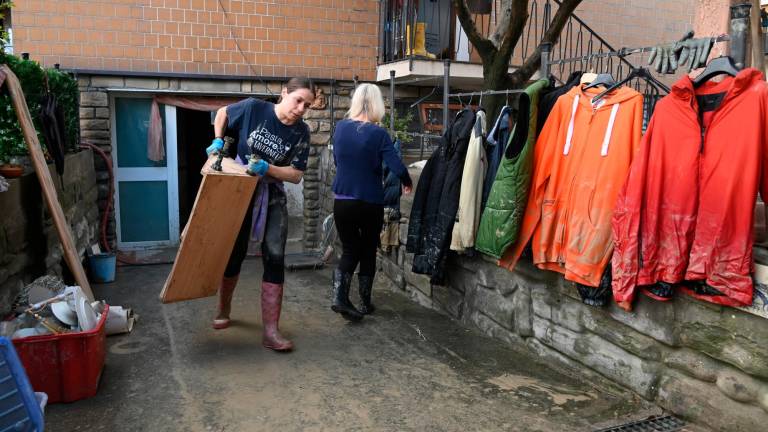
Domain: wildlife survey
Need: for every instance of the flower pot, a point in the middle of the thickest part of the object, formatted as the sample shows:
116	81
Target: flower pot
11	171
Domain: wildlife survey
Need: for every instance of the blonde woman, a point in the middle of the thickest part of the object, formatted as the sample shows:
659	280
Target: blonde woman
359	148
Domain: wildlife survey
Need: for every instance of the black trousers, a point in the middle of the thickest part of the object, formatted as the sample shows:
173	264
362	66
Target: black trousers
273	245
359	226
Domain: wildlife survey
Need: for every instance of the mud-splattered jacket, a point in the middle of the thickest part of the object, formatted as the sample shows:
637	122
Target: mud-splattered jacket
686	210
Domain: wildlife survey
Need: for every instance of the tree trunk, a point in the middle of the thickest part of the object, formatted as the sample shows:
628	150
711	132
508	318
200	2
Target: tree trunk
495	77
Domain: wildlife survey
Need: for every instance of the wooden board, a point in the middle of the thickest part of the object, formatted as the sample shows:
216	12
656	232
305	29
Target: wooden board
46	182
207	240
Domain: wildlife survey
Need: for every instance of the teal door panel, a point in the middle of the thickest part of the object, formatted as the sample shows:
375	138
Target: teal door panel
147	192
144	211
132	115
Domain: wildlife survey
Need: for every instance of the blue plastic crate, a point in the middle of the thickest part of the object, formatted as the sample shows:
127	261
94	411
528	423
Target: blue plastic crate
19	409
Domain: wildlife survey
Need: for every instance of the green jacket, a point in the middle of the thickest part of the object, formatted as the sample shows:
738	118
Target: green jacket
500	222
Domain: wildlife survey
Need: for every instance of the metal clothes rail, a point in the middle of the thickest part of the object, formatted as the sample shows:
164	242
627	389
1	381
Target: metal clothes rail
546	49
623	52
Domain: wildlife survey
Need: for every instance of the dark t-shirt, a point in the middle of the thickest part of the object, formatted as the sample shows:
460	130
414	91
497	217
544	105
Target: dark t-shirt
261	132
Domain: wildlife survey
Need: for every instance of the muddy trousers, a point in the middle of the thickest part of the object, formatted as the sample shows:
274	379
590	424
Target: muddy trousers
359	226
273	245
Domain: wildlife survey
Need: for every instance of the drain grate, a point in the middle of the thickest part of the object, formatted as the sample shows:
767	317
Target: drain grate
654	424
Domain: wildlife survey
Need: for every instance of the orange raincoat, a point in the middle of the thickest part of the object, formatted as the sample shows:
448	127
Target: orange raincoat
581	160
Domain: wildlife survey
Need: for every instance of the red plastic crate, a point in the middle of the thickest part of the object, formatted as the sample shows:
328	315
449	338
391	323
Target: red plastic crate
66	366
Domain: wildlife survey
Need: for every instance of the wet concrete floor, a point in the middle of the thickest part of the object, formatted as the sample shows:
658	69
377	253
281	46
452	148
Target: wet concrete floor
406	368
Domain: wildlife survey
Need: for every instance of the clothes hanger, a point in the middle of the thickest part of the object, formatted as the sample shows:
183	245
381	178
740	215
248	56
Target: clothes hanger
604	79
424	98
718	66
589	76
640	72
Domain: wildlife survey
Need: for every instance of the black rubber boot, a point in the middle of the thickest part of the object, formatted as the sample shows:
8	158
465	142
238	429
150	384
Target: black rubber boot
341	303
365	286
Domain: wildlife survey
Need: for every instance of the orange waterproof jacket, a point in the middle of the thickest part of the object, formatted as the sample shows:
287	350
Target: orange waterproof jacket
686	211
581	160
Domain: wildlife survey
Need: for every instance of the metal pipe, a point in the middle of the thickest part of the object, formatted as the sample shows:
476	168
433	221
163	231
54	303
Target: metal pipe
446	91
739	33
333	111
195	76
546	48
487	93
621	53
392	103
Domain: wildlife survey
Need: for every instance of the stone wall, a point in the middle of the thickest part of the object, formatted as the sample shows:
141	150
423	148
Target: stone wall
29	243
703	362
318	199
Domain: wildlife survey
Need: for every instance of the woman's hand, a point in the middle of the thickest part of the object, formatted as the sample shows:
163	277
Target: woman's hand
258	167
407	190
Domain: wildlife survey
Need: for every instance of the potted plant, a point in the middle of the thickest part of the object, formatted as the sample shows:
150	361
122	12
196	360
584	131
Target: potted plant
12	154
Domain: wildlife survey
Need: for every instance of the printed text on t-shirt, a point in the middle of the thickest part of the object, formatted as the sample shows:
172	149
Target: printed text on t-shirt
262	141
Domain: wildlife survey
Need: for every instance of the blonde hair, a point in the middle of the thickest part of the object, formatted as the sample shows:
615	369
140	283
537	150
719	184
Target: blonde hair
367	100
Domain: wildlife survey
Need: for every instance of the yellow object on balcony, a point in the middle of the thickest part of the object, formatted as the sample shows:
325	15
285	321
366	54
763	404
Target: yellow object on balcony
419	45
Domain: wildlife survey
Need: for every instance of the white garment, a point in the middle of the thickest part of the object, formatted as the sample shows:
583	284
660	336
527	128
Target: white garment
471	195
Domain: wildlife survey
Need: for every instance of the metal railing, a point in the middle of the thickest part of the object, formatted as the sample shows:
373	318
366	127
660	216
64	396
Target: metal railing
429	30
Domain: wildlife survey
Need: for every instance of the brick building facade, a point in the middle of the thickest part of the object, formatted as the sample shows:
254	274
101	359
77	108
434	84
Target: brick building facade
317	38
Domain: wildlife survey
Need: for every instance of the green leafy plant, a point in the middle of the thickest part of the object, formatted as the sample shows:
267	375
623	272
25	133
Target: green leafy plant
5	7
401	126
33	83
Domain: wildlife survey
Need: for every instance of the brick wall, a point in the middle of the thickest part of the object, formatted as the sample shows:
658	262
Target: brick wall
316	38
638	23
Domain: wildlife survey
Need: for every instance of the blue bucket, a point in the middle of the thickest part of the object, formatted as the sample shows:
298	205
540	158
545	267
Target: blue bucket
102	267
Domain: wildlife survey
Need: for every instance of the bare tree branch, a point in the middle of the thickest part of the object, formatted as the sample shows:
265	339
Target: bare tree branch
552	34
484	46
515	28
504	15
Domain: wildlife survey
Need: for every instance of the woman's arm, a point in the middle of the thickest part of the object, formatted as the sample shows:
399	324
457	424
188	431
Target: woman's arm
220	122
394	163
286	173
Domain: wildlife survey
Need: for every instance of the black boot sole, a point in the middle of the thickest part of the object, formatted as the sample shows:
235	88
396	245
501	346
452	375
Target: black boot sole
349	316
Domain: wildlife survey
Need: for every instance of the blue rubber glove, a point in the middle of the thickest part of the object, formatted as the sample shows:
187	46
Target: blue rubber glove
215	146
259	167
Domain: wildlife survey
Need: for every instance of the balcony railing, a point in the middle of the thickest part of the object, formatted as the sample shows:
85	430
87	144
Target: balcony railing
429	29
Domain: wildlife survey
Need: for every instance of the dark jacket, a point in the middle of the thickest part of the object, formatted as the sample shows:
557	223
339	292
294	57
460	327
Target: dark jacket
437	199
392	183
494	150
550	95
